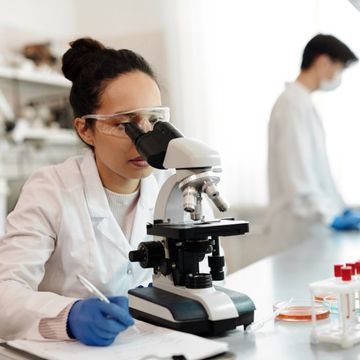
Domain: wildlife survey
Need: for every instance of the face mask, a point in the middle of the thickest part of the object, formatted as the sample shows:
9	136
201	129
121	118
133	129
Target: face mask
332	84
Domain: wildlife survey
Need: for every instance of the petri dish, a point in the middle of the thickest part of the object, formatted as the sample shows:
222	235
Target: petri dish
300	310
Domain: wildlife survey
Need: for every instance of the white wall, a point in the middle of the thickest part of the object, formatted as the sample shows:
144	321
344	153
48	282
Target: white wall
112	18
35	20
136	24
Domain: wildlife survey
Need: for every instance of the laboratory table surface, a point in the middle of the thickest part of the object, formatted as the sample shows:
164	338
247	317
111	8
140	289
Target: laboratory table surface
278	278
284	276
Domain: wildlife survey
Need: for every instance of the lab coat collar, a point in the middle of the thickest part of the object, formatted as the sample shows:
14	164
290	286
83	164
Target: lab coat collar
99	207
148	192
93	187
111	230
95	194
144	210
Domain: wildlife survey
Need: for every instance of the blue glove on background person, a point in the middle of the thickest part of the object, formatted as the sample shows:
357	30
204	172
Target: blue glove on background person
348	220
351	212
95	322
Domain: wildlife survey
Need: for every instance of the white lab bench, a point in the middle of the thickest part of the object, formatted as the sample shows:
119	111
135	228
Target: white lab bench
281	277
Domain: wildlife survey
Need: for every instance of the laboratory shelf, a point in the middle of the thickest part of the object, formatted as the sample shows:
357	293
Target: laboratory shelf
44	77
52	136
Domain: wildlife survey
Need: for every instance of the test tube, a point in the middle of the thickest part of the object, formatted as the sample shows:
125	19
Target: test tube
347	300
357	293
354	277
333	301
357	267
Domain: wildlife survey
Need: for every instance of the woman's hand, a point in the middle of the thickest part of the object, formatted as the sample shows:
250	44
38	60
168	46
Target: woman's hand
95	322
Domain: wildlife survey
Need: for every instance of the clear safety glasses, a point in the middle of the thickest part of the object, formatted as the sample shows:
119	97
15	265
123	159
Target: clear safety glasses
144	118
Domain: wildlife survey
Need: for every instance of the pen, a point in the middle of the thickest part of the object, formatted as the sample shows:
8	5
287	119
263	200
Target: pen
94	290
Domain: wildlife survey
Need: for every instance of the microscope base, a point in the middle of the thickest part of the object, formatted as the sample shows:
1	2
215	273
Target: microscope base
185	314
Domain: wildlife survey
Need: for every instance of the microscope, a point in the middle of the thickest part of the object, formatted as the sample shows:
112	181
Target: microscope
181	297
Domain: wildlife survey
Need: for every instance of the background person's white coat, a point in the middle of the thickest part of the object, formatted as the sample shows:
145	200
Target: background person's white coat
303	197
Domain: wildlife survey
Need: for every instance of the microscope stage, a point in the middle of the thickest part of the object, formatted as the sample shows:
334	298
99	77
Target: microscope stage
198	230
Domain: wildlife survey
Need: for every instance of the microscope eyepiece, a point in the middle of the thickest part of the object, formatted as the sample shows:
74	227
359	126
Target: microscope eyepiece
152	145
133	131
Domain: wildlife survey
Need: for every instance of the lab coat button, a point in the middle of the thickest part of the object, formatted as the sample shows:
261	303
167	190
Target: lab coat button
129	271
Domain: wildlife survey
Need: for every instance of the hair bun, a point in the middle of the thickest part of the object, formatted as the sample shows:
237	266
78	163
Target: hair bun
79	54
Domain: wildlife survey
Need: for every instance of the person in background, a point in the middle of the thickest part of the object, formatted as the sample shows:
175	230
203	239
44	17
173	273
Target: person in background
304	201
84	216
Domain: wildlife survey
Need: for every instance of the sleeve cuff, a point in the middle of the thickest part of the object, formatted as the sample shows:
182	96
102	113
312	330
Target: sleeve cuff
55	327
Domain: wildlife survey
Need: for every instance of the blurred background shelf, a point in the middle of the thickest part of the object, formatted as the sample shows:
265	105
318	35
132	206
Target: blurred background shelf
52	136
36	126
39	76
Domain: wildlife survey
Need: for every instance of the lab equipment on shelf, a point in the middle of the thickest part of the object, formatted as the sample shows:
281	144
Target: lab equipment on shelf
343	303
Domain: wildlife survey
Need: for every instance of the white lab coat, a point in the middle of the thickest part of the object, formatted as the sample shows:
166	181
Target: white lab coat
303	196
63	226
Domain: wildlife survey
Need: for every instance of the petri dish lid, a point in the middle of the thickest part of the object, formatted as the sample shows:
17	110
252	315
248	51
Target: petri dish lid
301	310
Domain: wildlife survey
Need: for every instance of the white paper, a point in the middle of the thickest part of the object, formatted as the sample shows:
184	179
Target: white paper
149	341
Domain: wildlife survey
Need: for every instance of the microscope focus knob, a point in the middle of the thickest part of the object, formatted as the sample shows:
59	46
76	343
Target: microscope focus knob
216	264
136	255
198	281
149	254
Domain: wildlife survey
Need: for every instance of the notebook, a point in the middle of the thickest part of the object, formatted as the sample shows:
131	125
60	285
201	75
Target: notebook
148	343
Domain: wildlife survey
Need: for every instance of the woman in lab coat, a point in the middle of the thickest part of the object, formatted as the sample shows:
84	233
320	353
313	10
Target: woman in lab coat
304	200
85	215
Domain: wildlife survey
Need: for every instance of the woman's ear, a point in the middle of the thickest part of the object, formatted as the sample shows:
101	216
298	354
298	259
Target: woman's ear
85	132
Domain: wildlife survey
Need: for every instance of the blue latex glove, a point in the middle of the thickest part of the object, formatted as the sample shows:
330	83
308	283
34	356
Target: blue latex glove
351	212
94	322
349	220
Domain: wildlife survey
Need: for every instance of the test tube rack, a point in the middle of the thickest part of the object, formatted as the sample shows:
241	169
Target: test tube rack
344	326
